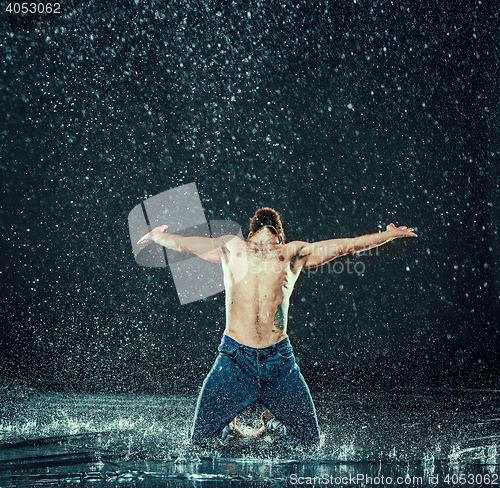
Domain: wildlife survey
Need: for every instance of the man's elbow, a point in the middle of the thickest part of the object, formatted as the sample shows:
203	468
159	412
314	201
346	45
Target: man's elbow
349	248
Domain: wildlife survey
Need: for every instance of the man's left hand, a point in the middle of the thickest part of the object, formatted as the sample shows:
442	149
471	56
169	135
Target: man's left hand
401	231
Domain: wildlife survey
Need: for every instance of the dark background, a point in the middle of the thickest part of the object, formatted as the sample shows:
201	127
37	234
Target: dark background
344	116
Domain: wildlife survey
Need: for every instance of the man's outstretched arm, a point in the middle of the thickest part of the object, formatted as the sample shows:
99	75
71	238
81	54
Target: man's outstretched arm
318	253
204	247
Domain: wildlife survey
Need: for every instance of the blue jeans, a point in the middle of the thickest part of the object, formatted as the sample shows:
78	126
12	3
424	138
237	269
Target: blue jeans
242	376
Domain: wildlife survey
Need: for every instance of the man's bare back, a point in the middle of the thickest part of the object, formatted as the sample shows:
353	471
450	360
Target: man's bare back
259	276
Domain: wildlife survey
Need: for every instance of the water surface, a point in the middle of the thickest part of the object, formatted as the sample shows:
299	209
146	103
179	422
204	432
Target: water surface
419	437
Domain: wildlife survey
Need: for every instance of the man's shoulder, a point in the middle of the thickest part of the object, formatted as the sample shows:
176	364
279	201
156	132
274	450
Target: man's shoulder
231	237
295	245
293	248
232	241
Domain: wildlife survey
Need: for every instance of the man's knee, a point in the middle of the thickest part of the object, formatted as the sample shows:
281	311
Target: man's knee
309	437
198	439
315	437
303	436
203	437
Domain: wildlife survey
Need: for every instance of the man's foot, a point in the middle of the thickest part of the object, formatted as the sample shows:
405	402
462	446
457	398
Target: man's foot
232	430
265	418
235	430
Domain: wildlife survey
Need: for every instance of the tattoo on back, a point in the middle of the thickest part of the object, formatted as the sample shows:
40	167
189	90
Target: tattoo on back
279	320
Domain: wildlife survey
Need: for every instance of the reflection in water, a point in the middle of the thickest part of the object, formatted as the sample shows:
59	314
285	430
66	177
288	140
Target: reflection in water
72	438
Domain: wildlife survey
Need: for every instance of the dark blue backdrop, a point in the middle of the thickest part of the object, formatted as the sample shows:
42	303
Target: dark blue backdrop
344	116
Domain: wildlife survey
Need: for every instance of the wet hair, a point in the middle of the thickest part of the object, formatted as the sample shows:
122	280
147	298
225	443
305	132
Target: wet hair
267	216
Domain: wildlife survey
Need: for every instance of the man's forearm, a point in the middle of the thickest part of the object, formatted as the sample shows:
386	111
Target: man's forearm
369	241
193	245
318	253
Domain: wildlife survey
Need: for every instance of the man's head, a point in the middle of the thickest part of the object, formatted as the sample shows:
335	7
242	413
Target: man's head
267	217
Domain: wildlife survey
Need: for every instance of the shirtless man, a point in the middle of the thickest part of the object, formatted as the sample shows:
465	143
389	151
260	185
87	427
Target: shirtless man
256	362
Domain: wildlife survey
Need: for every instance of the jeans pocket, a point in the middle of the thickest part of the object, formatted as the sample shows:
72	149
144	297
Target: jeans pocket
228	351
285	352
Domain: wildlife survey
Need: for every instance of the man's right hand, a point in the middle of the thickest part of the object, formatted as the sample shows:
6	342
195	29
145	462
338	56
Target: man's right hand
402	231
149	235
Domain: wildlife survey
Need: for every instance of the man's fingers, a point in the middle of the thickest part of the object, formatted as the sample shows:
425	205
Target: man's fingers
403	230
144	239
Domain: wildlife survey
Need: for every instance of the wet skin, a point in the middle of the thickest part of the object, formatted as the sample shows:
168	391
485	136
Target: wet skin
259	276
260	273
